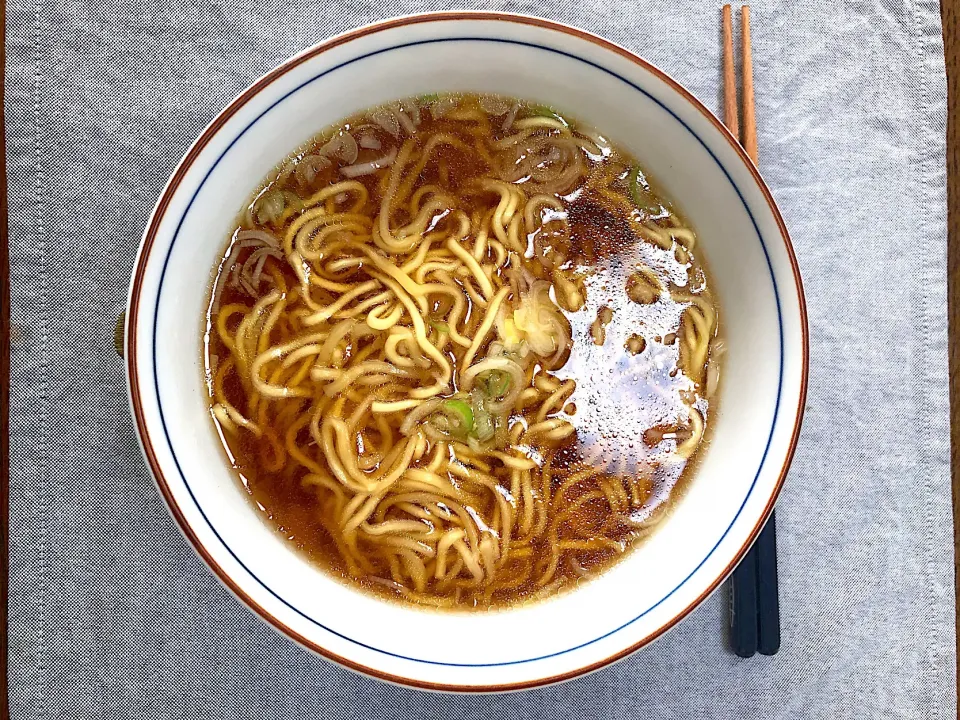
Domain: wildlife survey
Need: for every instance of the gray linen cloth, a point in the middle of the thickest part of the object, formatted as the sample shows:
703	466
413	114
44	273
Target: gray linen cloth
112	615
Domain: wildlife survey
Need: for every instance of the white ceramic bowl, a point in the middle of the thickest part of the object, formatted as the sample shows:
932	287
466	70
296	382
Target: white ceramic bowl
754	272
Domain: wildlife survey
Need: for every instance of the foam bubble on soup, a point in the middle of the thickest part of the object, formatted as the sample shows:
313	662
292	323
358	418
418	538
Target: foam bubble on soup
461	351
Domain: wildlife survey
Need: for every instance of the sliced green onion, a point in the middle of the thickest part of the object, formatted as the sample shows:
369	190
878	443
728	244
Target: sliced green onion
292	200
640	192
484	423
484	426
269	206
429	98
461	416
496	384
545	111
439	325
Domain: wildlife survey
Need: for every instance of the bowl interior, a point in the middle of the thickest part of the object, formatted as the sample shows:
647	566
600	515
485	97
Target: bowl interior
760	317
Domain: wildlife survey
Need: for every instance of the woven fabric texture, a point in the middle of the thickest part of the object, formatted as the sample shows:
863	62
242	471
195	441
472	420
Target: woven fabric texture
112	615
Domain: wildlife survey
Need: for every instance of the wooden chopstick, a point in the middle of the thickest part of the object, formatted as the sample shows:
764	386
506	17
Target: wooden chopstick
749	109
755	606
729	76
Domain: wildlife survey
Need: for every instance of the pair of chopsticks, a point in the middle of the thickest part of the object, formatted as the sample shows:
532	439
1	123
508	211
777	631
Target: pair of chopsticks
755	605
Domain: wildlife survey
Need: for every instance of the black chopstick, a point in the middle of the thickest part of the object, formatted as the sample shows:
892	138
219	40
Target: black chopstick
744	627
768	595
755	606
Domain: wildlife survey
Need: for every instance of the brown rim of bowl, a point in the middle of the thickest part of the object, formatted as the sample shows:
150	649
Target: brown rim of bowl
150	236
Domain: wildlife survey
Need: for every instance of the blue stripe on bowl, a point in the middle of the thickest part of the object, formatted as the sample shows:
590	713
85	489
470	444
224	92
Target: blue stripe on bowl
204	514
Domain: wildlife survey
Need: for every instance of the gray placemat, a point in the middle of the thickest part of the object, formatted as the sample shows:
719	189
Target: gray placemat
112	614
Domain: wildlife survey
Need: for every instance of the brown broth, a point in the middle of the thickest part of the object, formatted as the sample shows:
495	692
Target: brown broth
625	399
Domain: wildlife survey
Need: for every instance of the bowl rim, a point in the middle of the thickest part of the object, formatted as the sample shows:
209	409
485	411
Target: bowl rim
150	235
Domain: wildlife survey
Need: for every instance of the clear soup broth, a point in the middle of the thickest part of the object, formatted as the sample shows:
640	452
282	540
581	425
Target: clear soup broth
460	351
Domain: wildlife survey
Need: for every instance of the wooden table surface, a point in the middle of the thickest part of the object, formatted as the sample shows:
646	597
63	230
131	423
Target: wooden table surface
950	10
